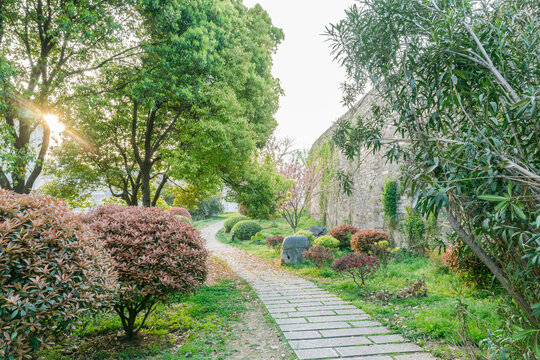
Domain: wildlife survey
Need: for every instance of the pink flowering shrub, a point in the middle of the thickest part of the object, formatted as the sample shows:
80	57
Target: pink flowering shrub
180	211
358	266
155	255
52	269
319	255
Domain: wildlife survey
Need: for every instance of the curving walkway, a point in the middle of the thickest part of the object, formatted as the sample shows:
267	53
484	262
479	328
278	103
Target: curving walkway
316	323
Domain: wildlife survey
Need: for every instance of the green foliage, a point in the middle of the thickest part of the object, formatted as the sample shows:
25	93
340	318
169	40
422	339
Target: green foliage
230	222
205	320
152	127
327	241
245	229
459	81
307	234
257	238
415	230
207	208
256	189
74	197
62	43
390	199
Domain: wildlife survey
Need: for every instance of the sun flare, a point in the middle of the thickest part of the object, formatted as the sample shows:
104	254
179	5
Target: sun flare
54	123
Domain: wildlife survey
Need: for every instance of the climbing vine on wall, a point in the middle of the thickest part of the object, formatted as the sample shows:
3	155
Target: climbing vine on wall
324	156
390	199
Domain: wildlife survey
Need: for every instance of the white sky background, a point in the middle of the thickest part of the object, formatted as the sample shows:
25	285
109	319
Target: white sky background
309	77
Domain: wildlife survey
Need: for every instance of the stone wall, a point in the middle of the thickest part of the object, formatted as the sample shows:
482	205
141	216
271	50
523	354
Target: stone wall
364	207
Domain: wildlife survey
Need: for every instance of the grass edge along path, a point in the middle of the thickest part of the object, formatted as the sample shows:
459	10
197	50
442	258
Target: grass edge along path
196	327
430	322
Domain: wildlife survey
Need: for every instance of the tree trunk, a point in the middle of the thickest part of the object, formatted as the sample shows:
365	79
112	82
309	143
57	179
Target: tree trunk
145	185
493	267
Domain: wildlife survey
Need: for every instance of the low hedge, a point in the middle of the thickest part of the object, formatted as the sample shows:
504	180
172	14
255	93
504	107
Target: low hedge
245	229
230	222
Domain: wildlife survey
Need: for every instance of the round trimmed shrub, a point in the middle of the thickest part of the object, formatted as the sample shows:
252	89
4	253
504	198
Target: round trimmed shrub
230	222
319	255
327	241
180	211
155	255
343	233
363	240
52	269
245	229
307	234
274	241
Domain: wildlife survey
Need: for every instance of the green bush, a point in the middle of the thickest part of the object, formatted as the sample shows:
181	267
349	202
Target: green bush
327	241
415	230
307	234
389	201
230	222
207	208
245	229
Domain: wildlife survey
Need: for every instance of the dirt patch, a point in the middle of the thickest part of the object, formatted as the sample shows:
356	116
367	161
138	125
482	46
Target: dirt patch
256	337
217	269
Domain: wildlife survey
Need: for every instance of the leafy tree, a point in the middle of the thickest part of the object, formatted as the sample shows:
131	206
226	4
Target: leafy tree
257	189
193	105
70	193
47	48
461	79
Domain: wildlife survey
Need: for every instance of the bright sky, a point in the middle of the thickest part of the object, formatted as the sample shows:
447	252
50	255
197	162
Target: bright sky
303	63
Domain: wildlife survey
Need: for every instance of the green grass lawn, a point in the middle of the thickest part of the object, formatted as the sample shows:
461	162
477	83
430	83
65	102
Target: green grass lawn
195	327
201	224
432	318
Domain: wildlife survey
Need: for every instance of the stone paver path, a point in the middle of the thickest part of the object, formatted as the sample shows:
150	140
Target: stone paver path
317	324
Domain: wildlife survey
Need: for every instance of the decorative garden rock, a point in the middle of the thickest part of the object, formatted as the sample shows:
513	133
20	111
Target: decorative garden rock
292	248
317	230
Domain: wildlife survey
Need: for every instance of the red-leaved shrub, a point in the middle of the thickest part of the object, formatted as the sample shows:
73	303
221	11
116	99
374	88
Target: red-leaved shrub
274	241
343	233
319	255
180	211
155	255
467	265
364	240
357	266
52	269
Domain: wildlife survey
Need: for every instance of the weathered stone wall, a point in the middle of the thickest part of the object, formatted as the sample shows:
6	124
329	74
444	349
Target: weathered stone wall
364	207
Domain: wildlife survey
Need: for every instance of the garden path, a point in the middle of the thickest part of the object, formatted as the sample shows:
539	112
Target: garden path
316	323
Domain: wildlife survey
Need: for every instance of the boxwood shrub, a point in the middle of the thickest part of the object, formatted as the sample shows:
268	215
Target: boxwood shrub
327	241
230	222
307	234
245	229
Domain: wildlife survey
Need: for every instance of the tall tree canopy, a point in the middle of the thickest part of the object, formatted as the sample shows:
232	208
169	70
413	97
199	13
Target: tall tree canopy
46	48
460	82
193	106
